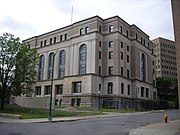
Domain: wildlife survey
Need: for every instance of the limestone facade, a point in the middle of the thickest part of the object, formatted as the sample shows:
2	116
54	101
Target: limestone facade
103	58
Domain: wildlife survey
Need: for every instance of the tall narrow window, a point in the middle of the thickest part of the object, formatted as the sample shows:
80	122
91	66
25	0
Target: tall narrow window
44	42
82	59
81	31
128	48
121	29
99	54
86	30
50	65
127	73
121	55
110	88
127	33
61	37
111	70
147	93
128	88
50	40
100	28
111	28
111	55
62	60
143	67
41	67
122	71
122	88
99	70
41	43
128	58
121	44
142	91
54	39
110	44
65	37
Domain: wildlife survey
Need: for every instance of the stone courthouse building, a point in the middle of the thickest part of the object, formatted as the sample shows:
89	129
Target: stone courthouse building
97	62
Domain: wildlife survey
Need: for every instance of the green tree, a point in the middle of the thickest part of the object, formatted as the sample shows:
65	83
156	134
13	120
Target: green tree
167	90
17	67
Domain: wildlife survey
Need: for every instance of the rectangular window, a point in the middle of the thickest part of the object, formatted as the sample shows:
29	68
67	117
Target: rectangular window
136	36
110	88
121	29
128	87
128	48
38	90
111	70
61	37
142	91
111	28
111	55
41	43
100	28
99	54
59	89
121	44
110	44
44	42
86	30
122	88
99	87
99	43
128	58
127	33
147	93
77	87
47	90
127	73
121	55
81	31
54	39
122	71
99	70
65	37
50	41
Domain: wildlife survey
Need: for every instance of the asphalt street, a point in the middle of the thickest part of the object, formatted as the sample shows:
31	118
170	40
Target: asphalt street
120	125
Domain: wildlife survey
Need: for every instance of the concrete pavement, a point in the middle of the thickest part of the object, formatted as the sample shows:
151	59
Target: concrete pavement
170	128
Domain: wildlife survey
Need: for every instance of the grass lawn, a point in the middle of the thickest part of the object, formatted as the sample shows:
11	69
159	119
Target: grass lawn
28	113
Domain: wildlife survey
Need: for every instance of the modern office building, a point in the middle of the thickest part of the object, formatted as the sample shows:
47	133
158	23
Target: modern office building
96	61
176	21
165	58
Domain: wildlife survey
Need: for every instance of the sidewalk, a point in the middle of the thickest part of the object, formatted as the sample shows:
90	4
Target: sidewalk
170	128
66	119
58	119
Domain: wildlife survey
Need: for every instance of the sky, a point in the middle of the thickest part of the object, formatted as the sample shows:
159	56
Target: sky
29	18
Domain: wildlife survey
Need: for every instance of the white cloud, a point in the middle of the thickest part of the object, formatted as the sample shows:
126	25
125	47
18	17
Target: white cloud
40	16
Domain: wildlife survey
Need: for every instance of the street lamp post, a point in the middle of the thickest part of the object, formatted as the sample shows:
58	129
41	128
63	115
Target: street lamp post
99	99
52	76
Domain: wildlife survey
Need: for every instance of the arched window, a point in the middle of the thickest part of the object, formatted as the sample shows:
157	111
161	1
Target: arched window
62	60
50	65
82	59
143	66
41	67
110	88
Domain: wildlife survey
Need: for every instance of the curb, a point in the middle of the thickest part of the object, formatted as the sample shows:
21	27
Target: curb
13	116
